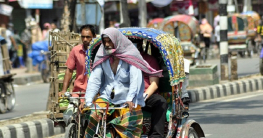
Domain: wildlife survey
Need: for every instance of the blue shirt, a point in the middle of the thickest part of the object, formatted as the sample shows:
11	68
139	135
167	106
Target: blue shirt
128	84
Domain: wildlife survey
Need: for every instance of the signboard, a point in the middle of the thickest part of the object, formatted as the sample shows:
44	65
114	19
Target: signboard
92	13
36	4
6	9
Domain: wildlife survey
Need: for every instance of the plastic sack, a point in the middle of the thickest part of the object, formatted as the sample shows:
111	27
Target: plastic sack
40	45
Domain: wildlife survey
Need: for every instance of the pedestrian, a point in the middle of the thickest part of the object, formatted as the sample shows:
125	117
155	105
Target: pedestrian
54	27
11	44
21	46
206	31
46	30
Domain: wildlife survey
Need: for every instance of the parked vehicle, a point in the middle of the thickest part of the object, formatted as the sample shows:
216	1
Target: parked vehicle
186	28
169	54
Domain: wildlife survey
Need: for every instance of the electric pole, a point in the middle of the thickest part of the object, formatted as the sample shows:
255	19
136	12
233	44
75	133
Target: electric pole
223	40
142	13
124	13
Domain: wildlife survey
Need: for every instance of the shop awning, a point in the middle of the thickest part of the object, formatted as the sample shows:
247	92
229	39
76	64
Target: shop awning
36	4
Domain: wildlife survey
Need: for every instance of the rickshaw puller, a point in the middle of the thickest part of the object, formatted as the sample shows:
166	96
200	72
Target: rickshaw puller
118	65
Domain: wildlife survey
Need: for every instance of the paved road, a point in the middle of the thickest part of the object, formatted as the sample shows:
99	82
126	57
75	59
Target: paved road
29	99
246	66
239	116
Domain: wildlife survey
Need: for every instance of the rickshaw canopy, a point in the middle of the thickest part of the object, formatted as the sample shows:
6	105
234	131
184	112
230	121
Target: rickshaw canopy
188	26
155	23
155	20
168	45
253	14
237	22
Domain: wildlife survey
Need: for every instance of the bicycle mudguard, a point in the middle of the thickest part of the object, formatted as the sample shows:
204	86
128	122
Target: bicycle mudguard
195	125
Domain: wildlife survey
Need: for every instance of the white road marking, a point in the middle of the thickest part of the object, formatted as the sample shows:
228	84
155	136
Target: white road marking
207	135
239	98
225	99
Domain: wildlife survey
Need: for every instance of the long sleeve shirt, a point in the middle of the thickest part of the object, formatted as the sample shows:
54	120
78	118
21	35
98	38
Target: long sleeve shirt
127	83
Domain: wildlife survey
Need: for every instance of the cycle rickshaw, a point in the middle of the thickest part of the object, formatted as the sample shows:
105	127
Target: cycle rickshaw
254	44
185	28
155	23
169	54
237	34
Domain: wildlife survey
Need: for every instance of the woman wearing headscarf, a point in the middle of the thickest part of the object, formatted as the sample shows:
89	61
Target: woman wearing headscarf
117	75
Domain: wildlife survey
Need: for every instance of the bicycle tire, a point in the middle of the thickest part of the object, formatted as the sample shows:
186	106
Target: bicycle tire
192	133
10	96
3	108
71	131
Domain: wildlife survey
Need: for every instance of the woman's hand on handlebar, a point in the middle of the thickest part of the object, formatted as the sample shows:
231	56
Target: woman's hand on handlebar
130	105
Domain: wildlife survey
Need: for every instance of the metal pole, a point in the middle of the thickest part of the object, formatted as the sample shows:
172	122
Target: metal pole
83	12
223	40
124	13
236	4
102	21
142	13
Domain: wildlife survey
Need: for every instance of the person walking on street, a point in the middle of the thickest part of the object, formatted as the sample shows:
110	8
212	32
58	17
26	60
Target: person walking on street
20	50
11	44
45	32
54	27
206	31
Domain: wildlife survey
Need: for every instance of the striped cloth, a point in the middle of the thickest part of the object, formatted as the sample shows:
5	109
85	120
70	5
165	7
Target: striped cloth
126	124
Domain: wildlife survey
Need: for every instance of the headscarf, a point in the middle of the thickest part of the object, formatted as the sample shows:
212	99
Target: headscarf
124	50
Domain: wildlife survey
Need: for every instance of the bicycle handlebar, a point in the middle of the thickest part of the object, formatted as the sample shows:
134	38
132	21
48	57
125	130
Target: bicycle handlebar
104	108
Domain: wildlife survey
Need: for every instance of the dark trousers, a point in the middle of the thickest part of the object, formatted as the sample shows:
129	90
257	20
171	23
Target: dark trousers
157	106
207	42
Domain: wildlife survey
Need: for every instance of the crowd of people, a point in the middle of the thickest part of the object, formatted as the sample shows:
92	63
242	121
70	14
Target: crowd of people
18	44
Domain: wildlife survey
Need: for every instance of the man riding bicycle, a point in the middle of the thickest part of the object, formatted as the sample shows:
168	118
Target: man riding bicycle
75	61
117	75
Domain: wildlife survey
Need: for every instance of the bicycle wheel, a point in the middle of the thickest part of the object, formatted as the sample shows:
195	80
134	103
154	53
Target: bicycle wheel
3	108
192	133
71	131
10	96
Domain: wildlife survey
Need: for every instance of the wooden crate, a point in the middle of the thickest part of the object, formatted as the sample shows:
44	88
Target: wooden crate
5	54
61	45
6	60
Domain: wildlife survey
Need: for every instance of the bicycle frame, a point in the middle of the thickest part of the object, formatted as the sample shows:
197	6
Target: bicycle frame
77	120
